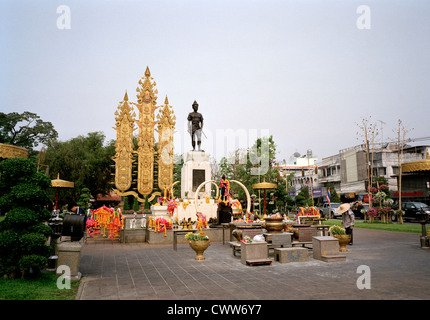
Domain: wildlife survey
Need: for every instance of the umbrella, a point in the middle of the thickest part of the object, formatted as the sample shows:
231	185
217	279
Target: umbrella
264	186
58	183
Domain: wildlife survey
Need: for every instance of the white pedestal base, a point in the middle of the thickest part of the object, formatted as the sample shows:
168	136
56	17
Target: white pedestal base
196	169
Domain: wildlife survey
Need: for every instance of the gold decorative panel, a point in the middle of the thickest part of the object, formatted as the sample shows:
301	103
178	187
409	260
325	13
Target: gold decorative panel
146	104
145	155
124	126
166	127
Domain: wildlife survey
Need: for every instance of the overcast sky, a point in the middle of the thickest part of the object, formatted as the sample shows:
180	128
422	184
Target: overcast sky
302	71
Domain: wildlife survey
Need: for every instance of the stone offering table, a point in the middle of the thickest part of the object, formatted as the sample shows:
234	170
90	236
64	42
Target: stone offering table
254	253
303	234
278	240
180	232
250	229
287	255
326	249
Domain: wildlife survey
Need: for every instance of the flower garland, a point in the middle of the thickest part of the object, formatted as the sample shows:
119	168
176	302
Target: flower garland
105	219
237	205
171	206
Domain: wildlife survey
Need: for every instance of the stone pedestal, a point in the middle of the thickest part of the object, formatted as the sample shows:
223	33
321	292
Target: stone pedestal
196	169
326	248
159	212
279	240
253	251
69	254
287	255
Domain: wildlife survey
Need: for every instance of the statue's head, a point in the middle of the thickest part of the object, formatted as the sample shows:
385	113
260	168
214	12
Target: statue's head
195	105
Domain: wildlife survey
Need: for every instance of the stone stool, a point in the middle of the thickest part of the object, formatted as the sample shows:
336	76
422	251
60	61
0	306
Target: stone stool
254	252
326	248
287	255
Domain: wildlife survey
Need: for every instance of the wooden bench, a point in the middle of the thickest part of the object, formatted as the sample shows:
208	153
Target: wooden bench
236	247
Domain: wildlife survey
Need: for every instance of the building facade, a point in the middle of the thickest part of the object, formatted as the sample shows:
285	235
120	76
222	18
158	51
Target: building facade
347	172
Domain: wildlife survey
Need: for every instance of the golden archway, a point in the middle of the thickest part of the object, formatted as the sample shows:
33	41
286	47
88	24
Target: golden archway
248	197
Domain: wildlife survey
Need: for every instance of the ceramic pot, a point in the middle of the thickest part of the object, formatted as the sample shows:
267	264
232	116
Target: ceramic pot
344	239
199	247
274	225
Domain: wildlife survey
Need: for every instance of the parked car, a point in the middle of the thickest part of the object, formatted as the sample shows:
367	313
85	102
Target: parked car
326	208
412	209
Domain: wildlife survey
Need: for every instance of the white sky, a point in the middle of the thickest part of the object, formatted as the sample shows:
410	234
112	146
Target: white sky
300	69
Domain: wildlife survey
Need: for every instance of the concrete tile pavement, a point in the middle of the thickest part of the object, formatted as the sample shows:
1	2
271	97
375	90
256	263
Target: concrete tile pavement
113	271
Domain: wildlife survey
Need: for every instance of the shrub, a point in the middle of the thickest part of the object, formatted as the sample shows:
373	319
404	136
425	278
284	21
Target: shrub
23	233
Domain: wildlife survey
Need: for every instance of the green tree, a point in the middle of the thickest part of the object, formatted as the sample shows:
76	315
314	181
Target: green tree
302	198
84	199
177	168
126	203
25	130
254	165
334	196
84	160
23	232
135	204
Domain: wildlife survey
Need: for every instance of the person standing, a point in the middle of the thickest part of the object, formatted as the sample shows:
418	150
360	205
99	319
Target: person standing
348	218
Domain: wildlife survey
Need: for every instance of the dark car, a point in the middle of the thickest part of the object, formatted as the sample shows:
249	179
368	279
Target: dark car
357	210
413	210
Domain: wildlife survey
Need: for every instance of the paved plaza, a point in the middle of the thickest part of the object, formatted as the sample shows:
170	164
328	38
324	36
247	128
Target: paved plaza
399	270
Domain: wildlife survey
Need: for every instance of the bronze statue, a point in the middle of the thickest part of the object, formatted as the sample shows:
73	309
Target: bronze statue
195	126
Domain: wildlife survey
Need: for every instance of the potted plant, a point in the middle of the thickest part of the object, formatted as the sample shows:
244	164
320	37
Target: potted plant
199	242
339	233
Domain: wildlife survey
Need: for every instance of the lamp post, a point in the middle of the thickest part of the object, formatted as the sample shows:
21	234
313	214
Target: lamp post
56	224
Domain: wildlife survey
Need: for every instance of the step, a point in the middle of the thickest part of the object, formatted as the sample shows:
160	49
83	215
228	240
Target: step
333	258
259	262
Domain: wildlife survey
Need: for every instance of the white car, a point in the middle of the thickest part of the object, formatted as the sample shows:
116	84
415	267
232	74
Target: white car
332	207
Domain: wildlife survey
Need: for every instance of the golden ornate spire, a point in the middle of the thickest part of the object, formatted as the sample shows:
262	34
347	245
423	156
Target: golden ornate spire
123	158
146	156
165	129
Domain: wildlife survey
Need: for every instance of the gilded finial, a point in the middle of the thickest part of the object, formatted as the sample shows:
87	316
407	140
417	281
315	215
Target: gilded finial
147	72
166	101
125	96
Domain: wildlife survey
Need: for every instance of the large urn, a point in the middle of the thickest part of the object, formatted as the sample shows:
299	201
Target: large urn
274	225
344	239
199	247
